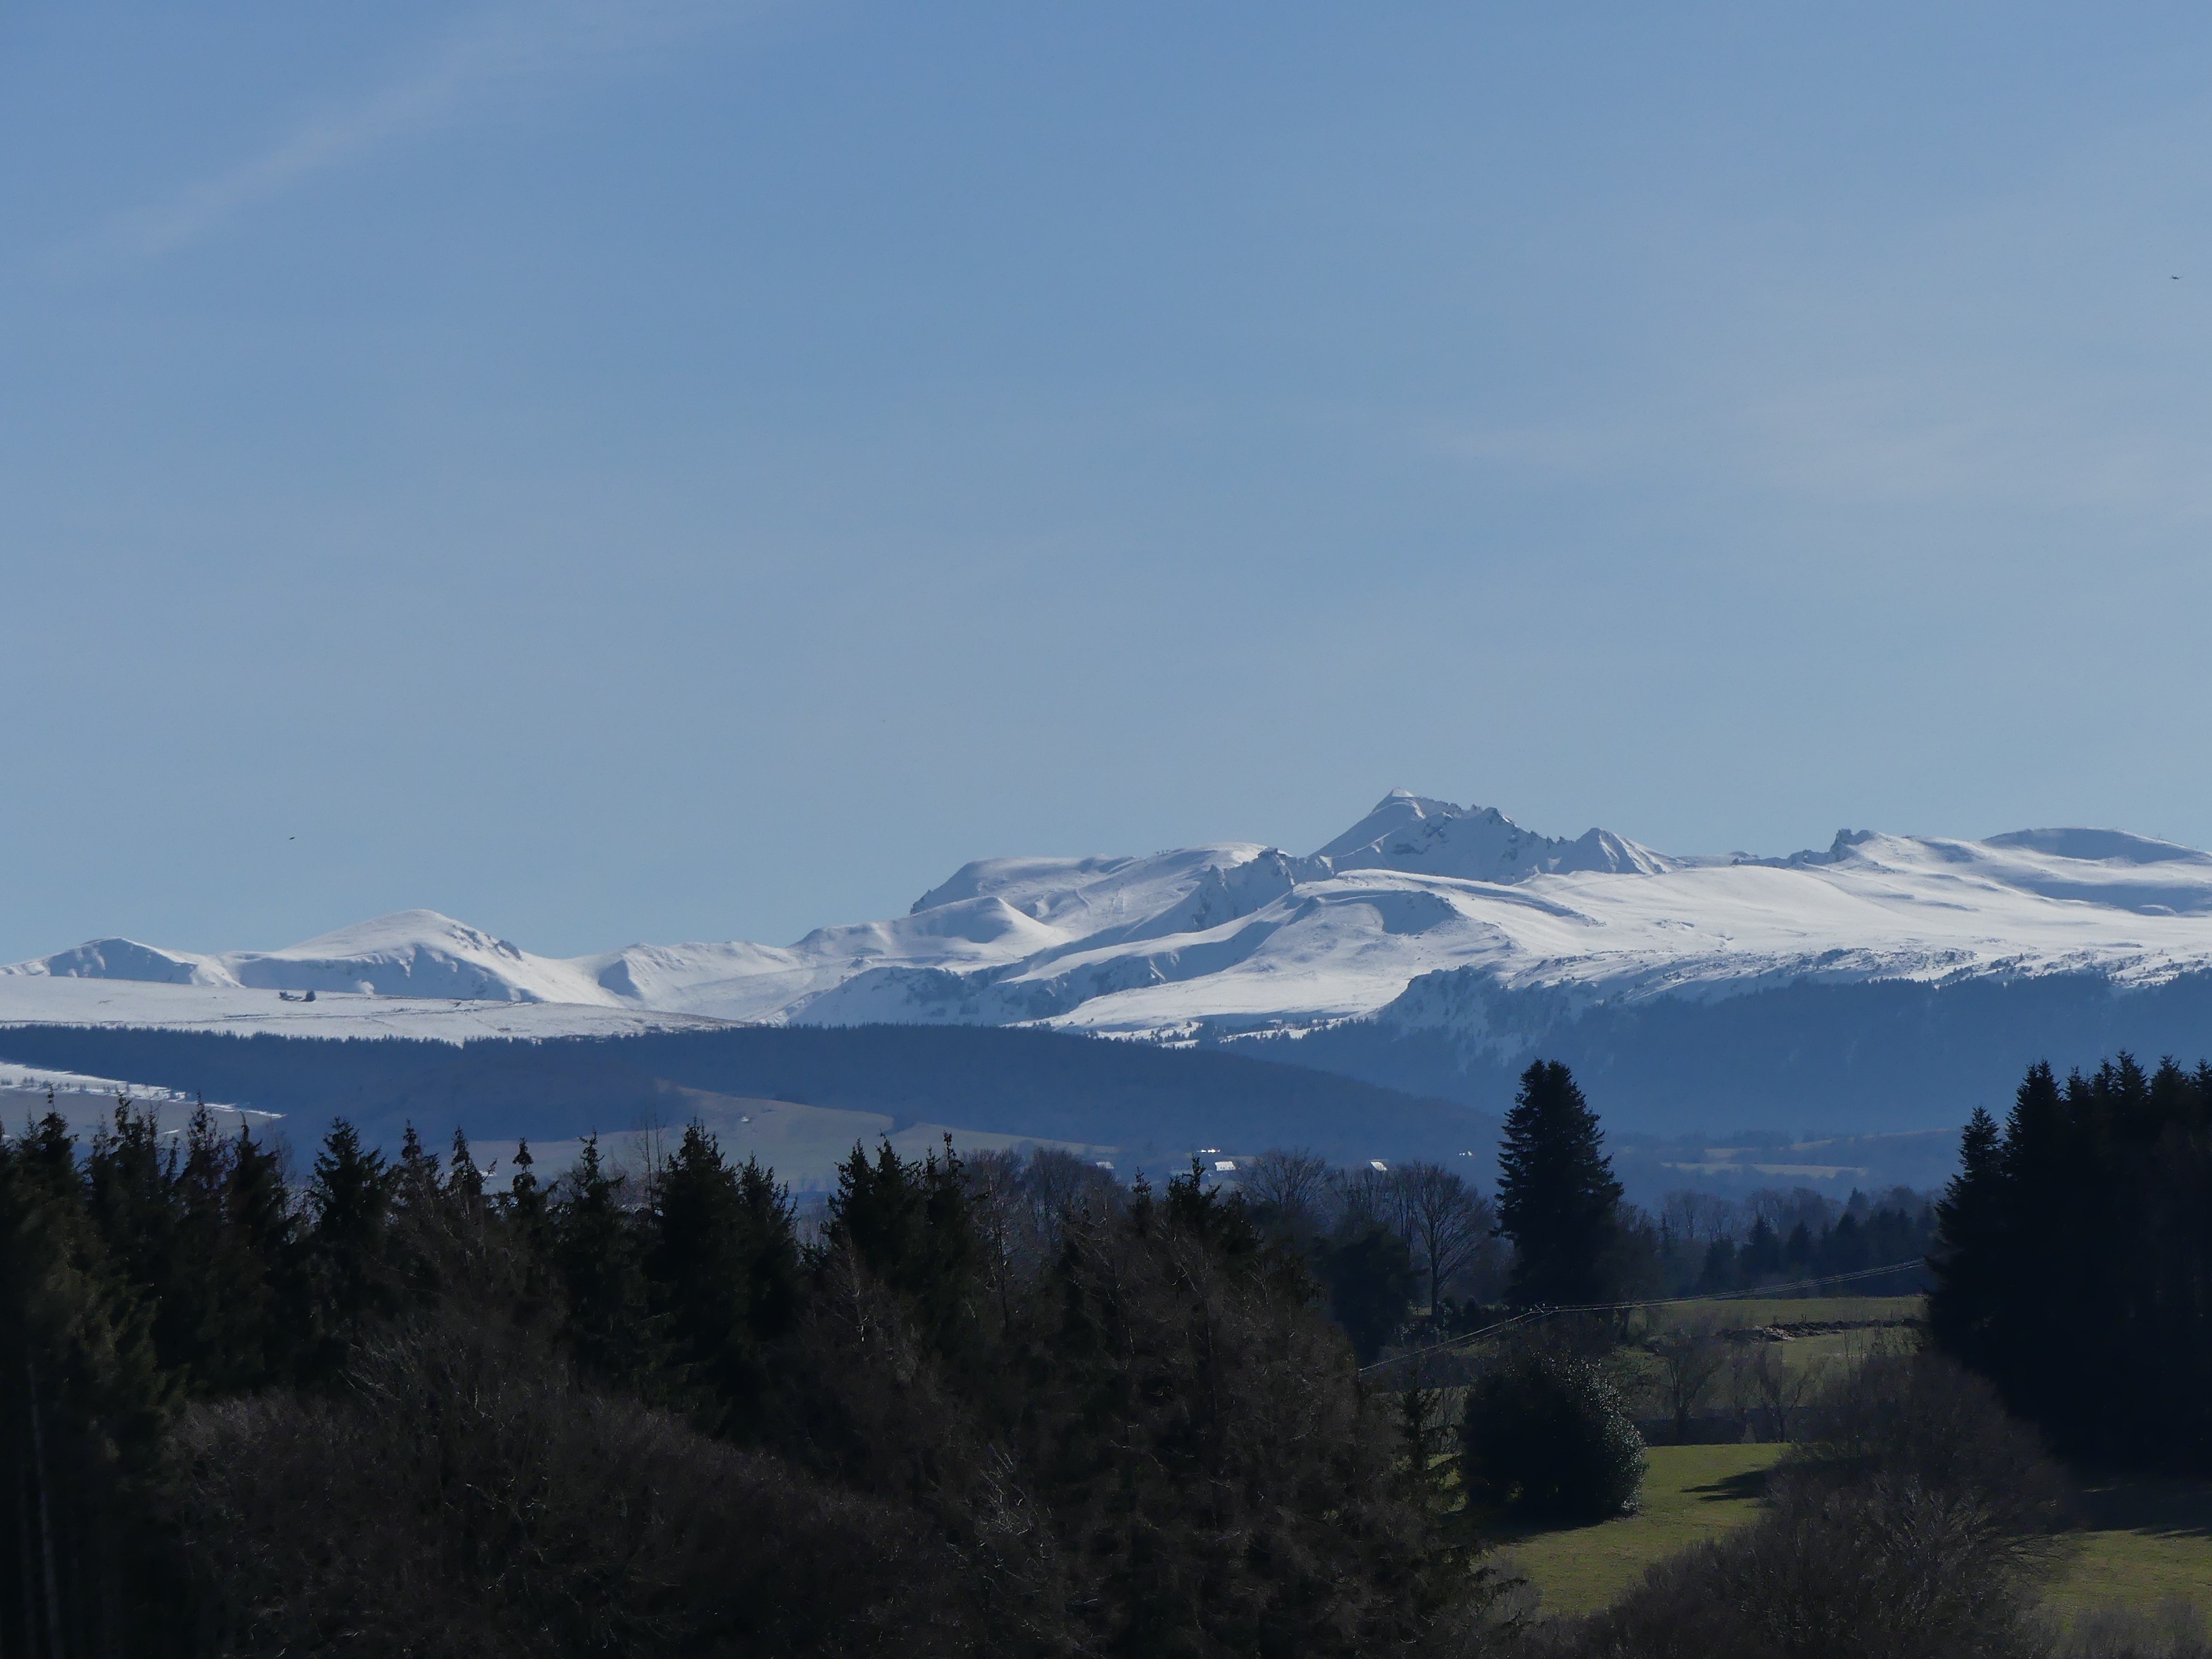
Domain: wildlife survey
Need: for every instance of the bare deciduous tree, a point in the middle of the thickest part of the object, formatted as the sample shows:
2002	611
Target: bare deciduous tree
1691	1354
1363	1198
1700	1218
1448	1224
1801	1206
1780	1388
1294	1186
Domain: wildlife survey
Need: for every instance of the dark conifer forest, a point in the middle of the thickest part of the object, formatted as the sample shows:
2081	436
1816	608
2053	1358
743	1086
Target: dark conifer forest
2075	1268
987	1409
381	1404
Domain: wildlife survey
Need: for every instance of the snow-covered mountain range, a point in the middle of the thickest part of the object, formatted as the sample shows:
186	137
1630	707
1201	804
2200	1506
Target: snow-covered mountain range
1423	915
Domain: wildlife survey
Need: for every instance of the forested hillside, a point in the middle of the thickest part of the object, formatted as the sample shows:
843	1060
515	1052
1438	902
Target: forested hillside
976	1413
1158	1103
1862	1057
1018	1406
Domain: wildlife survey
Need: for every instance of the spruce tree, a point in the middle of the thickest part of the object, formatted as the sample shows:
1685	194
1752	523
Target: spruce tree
349	1200
1969	1263
723	1259
768	1227
2055	1147
1720	1272
83	1401
525	1199
911	1226
222	1296
596	1253
464	1181
129	1188
267	1229
415	1181
1557	1199
1797	1249
1762	1252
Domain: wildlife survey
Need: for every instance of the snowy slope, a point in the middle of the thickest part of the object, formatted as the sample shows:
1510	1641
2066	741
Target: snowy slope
1423	913
39	1000
412	953
88	1104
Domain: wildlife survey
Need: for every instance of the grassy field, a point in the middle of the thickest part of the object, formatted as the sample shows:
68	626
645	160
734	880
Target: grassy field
2139	1543
1690	1493
1878	1319
1750	1312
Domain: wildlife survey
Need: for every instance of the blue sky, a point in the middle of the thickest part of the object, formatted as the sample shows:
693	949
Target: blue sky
657	469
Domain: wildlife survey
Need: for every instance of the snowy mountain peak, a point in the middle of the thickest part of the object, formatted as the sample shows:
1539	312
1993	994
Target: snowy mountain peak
403	929
419	953
125	958
1400	815
409	953
1424	912
1420	836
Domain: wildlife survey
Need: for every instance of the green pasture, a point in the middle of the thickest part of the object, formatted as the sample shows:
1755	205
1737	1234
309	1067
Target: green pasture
1752	1313
1873	1320
2137	1542
1691	1494
1828	1349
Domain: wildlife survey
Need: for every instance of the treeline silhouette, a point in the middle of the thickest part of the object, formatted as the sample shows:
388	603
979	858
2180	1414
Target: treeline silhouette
2074	1264
1710	1245
993	1405
990	1407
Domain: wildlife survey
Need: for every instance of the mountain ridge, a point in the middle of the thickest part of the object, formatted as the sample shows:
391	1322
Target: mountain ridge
1423	915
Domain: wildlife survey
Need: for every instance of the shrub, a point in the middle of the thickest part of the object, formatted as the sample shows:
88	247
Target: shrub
1892	1572
2171	1629
1904	1529
1919	1418
1546	1438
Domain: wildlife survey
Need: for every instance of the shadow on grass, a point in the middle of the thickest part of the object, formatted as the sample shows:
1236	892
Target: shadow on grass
1745	1485
2162	1508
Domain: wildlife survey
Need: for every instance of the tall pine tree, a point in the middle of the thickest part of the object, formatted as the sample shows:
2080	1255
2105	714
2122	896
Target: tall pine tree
1557	1199
1970	1263
349	1198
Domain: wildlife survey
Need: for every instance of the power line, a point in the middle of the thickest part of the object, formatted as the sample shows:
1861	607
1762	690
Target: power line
1533	1315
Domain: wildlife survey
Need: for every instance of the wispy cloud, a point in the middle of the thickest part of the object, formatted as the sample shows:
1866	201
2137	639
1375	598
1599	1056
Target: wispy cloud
494	51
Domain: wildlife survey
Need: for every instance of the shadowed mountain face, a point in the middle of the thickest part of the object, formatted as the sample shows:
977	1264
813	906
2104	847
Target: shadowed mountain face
1871	1057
